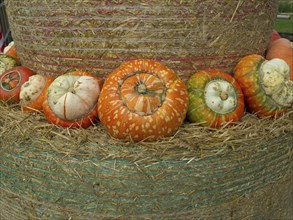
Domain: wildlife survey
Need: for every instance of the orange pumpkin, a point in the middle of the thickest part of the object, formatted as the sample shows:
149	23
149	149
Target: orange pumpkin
32	92
142	99
281	48
71	99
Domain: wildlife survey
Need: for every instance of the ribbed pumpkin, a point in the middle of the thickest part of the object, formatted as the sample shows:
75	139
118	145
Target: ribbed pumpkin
142	100
215	99
71	100
265	84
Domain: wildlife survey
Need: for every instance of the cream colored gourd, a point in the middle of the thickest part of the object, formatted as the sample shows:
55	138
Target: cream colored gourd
32	89
71	97
275	81
220	96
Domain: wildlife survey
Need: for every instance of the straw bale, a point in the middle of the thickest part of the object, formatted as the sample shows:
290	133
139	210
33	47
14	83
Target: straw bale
47	172
97	36
51	172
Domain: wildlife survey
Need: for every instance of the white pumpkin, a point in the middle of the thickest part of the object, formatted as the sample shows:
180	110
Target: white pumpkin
71	97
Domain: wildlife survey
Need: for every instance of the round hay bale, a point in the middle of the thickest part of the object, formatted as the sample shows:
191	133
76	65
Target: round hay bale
244	171
97	36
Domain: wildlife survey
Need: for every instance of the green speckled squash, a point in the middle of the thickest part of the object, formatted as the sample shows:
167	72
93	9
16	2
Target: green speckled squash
215	99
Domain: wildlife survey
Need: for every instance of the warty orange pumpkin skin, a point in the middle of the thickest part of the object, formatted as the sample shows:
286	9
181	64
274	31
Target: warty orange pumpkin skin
215	99
265	85
71	99
142	100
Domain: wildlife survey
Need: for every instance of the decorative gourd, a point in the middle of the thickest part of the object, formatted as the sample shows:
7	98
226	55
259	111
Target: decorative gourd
142	100
7	62
32	92
215	99
266	86
11	81
281	48
10	49
71	100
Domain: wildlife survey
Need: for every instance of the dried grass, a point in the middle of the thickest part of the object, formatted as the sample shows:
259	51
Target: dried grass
230	173
51	172
97	36
191	141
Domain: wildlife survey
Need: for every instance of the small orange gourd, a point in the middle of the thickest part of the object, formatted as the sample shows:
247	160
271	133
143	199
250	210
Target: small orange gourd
282	49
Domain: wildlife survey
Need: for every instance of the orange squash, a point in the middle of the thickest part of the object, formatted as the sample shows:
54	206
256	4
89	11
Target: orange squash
142	100
281	48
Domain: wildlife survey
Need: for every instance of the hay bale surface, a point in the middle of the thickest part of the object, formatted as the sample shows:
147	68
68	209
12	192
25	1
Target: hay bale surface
50	172
47	172
97	36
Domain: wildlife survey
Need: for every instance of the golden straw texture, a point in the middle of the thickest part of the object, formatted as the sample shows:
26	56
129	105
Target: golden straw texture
97	36
50	172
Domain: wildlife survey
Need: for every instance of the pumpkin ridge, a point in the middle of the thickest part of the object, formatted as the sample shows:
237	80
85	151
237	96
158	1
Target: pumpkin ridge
136	73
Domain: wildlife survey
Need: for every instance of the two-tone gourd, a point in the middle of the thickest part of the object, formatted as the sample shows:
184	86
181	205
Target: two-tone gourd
266	85
215	99
142	100
71	99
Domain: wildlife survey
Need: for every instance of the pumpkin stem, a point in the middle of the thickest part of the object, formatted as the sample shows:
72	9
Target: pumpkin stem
142	89
223	95
71	89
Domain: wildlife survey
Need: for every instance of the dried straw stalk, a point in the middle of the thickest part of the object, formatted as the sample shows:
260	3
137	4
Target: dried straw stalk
191	141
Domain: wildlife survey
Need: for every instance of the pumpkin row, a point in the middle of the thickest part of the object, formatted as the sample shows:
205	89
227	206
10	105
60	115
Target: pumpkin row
143	99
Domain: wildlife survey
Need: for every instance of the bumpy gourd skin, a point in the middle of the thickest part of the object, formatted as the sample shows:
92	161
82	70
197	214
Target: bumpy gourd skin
274	75
32	93
7	62
215	99
263	86
142	100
